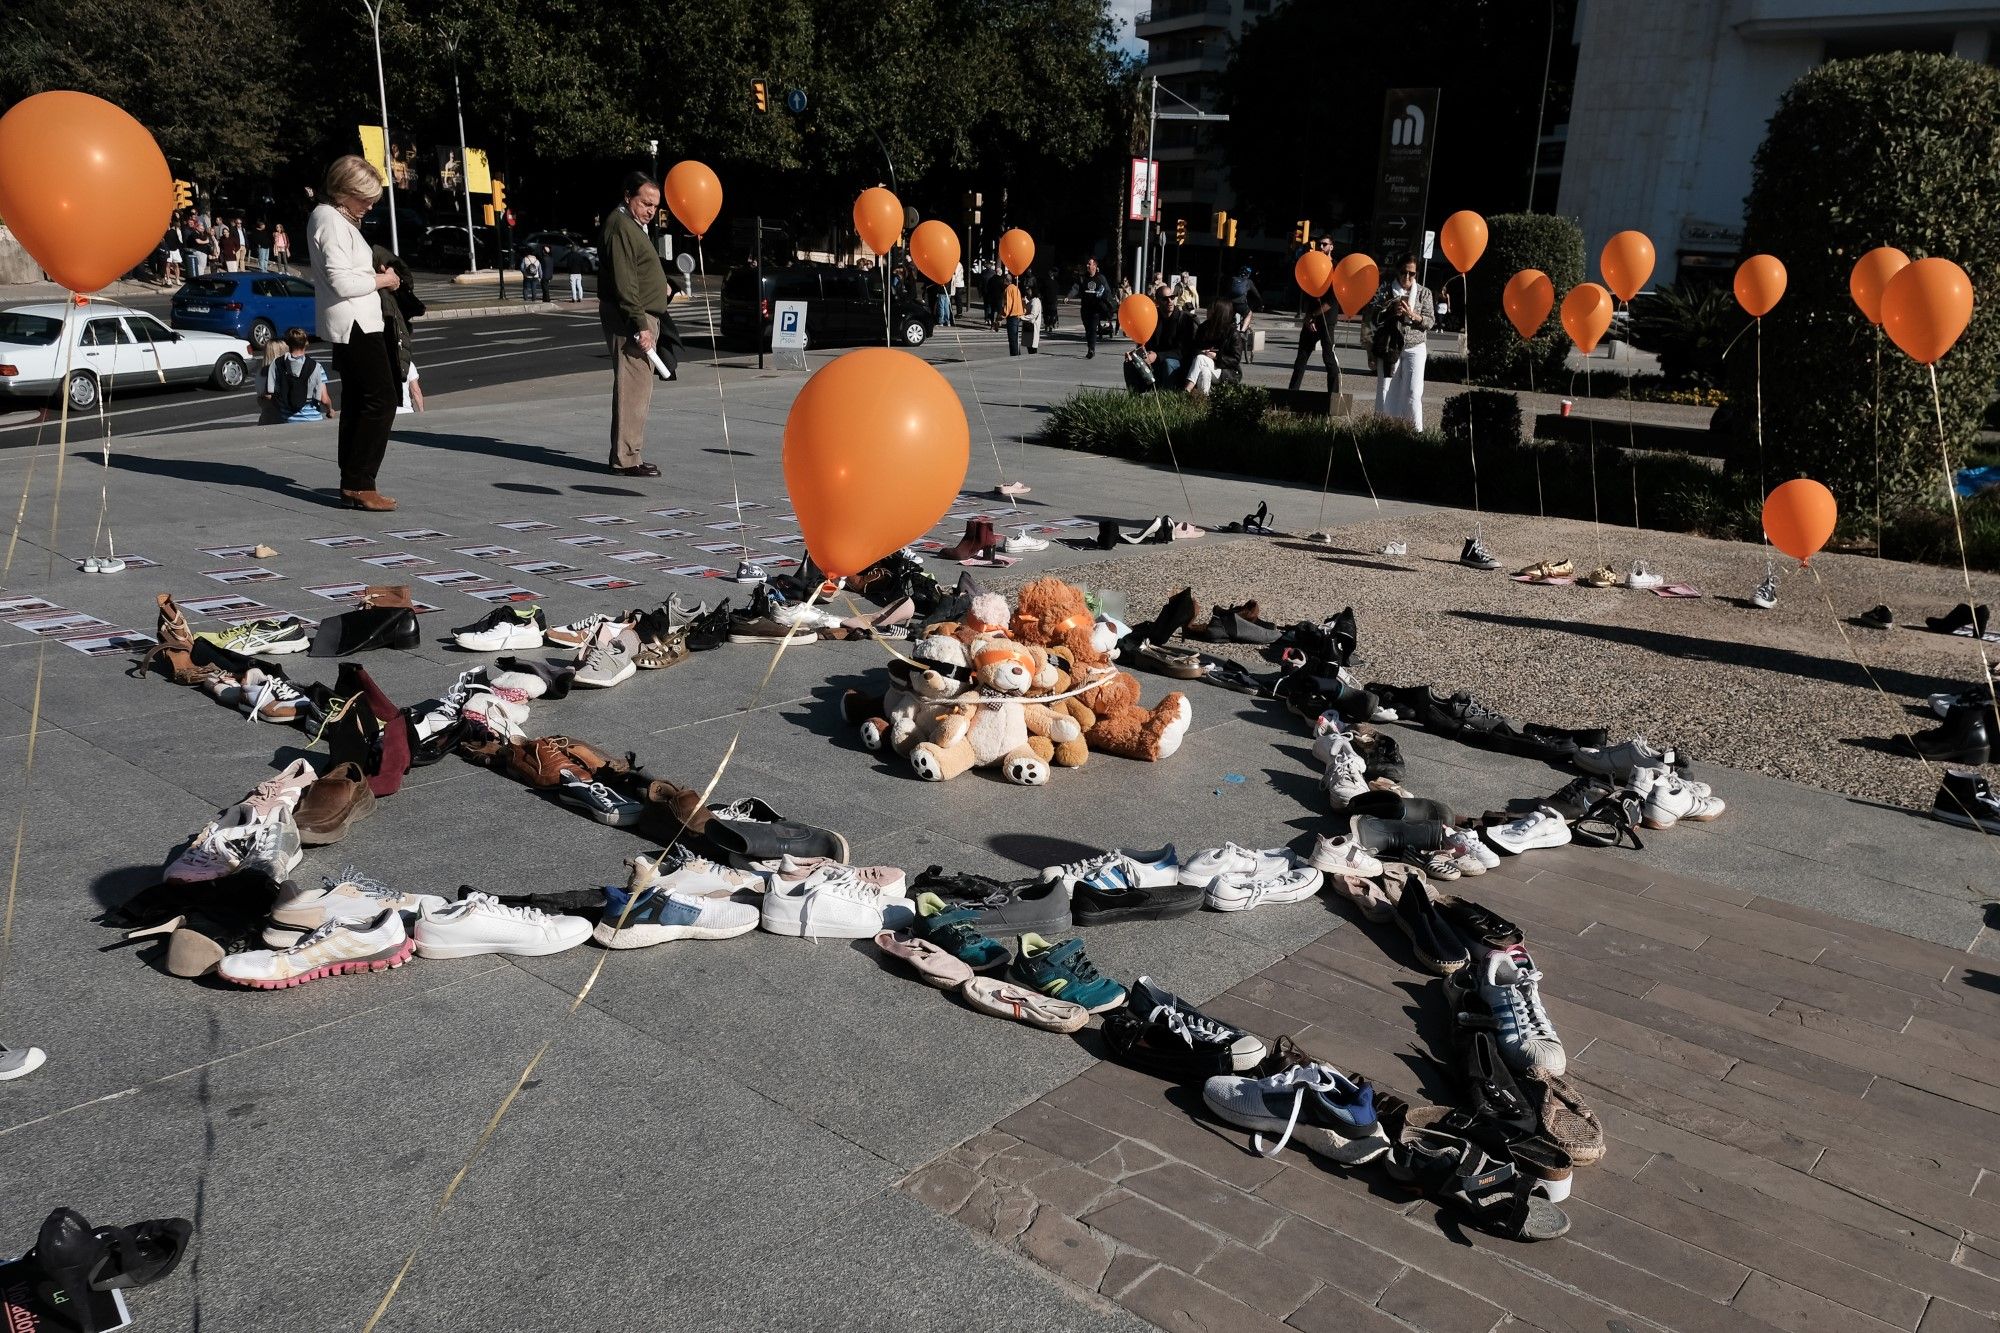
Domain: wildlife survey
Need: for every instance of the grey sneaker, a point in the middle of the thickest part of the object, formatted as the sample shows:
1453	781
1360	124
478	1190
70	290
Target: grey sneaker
274	846
20	1061
611	659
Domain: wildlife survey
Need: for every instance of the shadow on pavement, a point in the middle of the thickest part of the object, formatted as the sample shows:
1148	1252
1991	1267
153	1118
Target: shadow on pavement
487	445
210	473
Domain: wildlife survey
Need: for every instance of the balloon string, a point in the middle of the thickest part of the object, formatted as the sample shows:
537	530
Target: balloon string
1958	527
576	1001
1590	433
1167	434
1881	559
1763	484
1471	406
722	401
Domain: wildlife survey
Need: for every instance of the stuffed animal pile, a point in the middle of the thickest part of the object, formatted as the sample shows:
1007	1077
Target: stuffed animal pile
967	698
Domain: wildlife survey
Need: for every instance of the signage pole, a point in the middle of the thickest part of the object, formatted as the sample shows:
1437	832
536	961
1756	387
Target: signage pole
1146	195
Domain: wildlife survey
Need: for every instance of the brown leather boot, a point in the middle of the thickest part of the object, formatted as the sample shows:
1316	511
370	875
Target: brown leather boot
386	594
373	501
174	645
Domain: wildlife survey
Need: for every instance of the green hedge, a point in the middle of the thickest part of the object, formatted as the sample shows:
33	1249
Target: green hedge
1899	150
1517	241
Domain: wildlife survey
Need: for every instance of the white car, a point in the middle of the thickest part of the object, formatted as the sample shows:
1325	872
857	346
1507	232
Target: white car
107	346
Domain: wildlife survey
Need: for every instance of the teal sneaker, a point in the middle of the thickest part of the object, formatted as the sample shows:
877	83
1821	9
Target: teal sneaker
952	930
1061	970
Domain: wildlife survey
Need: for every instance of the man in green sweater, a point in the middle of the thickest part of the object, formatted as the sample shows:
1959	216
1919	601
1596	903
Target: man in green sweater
632	298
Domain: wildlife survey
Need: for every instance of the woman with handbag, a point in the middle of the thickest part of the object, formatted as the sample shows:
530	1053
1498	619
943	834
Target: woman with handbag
1398	317
346	289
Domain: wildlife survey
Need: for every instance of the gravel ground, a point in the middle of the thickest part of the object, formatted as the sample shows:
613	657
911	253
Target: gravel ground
1774	691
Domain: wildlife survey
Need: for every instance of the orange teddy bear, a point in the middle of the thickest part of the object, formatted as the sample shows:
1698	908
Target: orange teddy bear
1055	615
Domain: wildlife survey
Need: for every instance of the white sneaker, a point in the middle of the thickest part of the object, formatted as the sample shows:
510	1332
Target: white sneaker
1670	799
610	660
478	923
788	870
1486	856
1766	595
706	873
21	1061
1241	892
1643	578
266	697
1539	828
1022	544
579	633
435	715
1394	548
1204	868
274	847
1528	1040
333	948
1341	855
830	904
1118	870
503	629
1463	848
504	718
1346	774
1327	724
350	898
217	850
801	617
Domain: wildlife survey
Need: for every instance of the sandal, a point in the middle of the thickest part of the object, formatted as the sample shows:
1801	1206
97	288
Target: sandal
1230	675
1611	821
1147	656
1494	1196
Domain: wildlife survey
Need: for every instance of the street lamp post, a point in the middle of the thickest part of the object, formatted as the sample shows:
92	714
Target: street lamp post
464	170
374	8
1542	110
1153	115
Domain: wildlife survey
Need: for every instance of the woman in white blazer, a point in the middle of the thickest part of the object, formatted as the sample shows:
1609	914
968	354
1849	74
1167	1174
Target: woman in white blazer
345	289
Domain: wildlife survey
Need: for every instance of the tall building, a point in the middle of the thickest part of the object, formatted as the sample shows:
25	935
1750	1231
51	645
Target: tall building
1672	100
1187	46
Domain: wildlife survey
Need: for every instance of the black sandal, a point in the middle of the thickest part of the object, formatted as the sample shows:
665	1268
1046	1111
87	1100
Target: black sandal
1494	1196
1611	821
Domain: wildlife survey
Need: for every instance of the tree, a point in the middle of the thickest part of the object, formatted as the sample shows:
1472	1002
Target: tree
1517	241
1899	150
1304	91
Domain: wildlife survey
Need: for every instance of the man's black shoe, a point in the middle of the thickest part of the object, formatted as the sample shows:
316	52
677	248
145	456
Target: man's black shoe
1093	906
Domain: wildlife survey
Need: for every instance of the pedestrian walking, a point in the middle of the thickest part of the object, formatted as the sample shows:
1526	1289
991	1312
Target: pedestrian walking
1398	317
1051	292
573	264
1318	331
548	257
994	293
632	298
294	386
957	292
1012	309
281	247
531	274
346	287
1092	295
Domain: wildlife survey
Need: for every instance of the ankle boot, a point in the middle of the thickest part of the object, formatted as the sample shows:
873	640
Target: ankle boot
372	732
1108	536
979	536
1966	737
366	628
1967	799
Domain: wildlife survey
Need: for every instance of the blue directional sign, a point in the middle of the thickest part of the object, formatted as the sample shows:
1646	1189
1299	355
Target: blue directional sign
795	101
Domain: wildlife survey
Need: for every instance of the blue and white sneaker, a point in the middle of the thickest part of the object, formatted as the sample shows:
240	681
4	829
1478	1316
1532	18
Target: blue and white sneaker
1116	870
1327	1112
1062	970
659	915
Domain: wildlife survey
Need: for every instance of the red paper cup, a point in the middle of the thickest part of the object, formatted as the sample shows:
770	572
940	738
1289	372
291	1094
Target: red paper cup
1568	403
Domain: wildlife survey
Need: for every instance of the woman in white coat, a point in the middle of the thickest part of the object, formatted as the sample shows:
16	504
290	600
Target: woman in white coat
346	284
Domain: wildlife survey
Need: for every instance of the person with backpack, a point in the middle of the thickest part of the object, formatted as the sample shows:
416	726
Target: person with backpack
1396	319
295	384
531	274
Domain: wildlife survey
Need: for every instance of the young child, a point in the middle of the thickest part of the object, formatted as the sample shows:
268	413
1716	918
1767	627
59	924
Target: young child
295	384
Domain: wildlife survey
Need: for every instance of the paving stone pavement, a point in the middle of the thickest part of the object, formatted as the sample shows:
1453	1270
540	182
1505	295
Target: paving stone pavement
716	1137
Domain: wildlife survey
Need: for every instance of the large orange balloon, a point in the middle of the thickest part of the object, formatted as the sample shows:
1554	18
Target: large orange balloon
1627	261
1527	299
1138	316
83	186
1355	282
1586	315
1314	272
875	450
1017	251
1463	237
1760	281
694	195
934	250
1799	517
1925	307
1871	273
878	216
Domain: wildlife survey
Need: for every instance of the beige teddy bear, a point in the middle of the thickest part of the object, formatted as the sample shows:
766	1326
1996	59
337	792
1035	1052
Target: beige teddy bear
1012	734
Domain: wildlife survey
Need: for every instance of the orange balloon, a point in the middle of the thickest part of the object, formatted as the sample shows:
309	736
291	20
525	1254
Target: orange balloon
1871	273
1138	316
1925	307
1355	282
83	186
1463	237
878	216
1527	299
1760	281
1799	516
694	195
875	450
1314	272
1626	263
1586	315
934	250
1017	251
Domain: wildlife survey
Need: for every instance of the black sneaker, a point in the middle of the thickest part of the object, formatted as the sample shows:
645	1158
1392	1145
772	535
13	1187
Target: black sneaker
1093	906
709	630
1575	800
1474	555
1880	617
1382	757
1473	716
1161	1033
1968	800
749	830
1478	922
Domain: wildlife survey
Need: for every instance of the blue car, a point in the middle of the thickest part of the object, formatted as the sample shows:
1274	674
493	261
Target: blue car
254	306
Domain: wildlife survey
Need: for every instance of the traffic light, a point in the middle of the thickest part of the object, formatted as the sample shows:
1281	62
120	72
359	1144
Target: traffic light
499	195
760	94
1303	233
1231	242
1221	226
1180	231
183	196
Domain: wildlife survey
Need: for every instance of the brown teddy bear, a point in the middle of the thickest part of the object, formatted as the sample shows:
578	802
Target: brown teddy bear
1060	680
1054	614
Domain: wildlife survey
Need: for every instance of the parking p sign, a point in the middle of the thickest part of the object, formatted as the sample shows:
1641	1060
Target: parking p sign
788	327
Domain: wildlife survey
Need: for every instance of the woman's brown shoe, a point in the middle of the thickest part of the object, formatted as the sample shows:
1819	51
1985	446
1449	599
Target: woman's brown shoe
386	594
374	501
